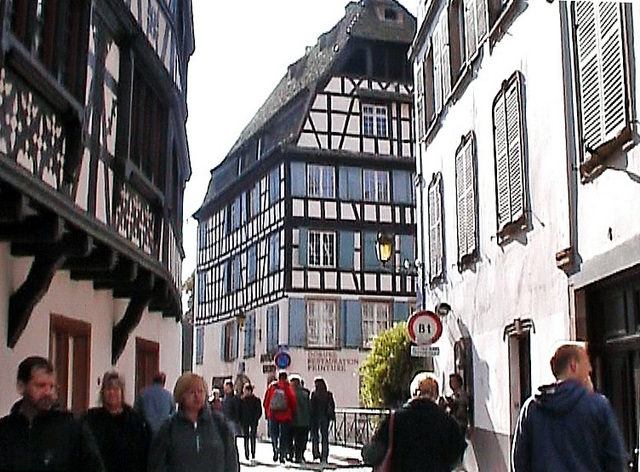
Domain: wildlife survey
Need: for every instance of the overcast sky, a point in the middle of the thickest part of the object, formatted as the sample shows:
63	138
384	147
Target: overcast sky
243	48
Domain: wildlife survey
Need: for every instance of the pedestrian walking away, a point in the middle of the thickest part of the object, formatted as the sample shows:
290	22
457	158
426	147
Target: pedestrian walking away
195	439
566	426
38	434
250	414
121	433
300	421
231	407
322	410
280	405
155	403
425	438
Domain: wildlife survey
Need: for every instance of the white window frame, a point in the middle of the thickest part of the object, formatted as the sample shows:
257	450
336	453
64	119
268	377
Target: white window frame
476	25
321	249
436	231
375	120
320	181
322	326
376	318
375	185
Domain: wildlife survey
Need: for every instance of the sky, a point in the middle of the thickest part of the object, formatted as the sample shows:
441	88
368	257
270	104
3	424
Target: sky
243	49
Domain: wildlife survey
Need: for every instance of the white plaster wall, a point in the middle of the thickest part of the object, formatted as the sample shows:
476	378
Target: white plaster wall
518	279
78	300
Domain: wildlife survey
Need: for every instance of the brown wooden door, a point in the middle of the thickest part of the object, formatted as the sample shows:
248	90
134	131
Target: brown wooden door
70	351
147	362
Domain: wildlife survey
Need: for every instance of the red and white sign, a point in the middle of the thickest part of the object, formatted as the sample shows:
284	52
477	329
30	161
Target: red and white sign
424	327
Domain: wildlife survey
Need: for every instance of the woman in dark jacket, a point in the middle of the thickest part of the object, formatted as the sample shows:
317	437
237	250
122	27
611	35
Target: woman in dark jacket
120	432
194	439
322	408
250	413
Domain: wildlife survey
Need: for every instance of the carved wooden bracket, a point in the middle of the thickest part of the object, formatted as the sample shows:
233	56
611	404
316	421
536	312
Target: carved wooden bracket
44	267
133	314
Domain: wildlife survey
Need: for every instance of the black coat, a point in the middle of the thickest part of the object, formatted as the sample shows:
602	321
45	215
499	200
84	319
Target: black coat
53	441
425	438
123	439
250	410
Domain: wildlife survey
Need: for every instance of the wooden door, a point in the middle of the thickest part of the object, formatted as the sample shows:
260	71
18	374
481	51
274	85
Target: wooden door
147	362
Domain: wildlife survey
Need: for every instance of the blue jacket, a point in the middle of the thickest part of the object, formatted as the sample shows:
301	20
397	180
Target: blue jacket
564	427
156	404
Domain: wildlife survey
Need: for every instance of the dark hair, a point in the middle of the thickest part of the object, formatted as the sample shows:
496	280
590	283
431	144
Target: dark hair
27	366
228	382
563	357
458	377
248	386
282	374
159	378
320	384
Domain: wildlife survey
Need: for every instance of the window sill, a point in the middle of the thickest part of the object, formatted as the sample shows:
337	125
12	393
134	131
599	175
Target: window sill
595	161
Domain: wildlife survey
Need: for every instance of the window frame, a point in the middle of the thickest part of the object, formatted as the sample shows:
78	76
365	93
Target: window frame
369	337
375	120
377	178
318	254
466	200
436	229
316	336
321	181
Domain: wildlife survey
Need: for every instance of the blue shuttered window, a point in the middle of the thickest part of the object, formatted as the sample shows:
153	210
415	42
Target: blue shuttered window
302	247
402	188
351	324
251	264
400	311
407	249
274	252
273	324
298	179
370	257
199	345
350	183
297	323
250	335
274	186
346	248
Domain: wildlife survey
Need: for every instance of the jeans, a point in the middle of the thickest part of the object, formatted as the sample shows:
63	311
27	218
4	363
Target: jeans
249	432
321	426
300	435
280	437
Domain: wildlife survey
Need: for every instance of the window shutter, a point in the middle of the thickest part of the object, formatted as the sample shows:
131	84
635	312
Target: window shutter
297	322
502	163
199	345
302	246
234	340
274	185
470	183
407	251
298	179
470	27
600	53
369	244
515	148
445	56
249	335
482	21
343	183
352	323
461	198
401	186
400	311
435	228
355	183
223	341
346	250
420	118
436	46
273	327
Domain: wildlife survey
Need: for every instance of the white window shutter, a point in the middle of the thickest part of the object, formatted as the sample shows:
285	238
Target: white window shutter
482	20
600	52
461	197
470	191
502	162
420	118
515	150
436	45
435	229
470	28
445	56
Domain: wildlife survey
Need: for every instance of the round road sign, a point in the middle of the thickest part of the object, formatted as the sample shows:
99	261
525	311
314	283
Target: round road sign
424	328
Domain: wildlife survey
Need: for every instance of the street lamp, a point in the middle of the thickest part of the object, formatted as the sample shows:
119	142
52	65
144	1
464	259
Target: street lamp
384	247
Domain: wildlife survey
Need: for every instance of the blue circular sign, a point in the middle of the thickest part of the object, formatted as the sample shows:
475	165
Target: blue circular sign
282	360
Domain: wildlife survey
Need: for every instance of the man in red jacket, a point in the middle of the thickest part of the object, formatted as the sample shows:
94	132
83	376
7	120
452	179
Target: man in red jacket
280	406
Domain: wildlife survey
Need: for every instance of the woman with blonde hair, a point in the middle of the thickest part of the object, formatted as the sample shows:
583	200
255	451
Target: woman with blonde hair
120	432
194	439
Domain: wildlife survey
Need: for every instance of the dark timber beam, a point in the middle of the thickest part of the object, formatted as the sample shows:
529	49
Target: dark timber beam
14	205
101	262
124	273
31	235
132	315
44	267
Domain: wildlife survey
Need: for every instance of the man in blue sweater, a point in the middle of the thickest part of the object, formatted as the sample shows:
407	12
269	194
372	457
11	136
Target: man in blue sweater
566	426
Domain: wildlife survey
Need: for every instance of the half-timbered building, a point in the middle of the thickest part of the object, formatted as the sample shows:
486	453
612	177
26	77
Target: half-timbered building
286	245
93	163
527	130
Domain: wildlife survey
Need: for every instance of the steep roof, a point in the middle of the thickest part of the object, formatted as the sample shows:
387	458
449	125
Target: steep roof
362	20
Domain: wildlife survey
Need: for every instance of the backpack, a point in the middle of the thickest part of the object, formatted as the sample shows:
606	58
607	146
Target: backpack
278	400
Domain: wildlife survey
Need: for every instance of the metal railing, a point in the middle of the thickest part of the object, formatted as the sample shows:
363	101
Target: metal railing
354	427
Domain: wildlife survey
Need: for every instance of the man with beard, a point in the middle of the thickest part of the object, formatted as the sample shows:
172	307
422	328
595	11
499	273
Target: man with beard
37	434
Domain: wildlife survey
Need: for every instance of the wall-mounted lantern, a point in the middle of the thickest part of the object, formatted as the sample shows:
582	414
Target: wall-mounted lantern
384	247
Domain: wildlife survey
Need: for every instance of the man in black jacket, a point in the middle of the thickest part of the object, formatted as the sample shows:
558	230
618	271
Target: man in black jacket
37	434
425	438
